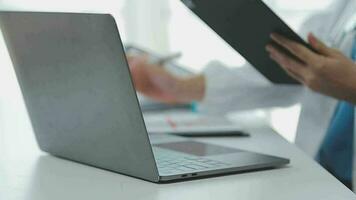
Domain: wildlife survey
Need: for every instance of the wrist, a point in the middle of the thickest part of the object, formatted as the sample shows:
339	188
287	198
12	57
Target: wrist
191	89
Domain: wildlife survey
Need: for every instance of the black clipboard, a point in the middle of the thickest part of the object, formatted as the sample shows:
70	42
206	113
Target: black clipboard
246	26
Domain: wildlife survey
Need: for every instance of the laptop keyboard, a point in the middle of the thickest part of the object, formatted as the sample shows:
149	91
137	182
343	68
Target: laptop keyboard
171	162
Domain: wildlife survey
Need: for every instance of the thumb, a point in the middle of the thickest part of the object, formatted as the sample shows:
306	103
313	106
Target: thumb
319	46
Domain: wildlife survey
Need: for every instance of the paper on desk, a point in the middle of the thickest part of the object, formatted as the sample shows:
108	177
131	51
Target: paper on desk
178	123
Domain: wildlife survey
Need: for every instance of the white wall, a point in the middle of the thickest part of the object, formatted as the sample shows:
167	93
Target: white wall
147	23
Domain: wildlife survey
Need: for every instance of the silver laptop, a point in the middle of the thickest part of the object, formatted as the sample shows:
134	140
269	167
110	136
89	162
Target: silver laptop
83	107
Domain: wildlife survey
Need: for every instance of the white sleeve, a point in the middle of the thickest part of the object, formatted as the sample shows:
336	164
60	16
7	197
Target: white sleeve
243	89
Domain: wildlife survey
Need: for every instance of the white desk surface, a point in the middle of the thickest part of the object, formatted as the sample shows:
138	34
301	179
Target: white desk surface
27	173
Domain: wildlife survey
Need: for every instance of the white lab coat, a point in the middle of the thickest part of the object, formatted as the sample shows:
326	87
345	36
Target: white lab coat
244	88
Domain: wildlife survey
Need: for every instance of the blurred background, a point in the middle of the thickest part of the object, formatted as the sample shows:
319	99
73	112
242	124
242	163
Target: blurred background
163	26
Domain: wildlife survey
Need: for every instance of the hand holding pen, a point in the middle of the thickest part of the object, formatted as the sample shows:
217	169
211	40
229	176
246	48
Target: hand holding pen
153	81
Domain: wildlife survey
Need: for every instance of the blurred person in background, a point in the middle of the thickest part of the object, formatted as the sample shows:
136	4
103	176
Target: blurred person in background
220	89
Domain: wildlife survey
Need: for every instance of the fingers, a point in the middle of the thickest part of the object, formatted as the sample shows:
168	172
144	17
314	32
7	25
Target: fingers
135	61
299	50
294	68
294	75
320	46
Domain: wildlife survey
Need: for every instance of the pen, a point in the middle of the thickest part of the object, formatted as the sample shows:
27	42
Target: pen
169	58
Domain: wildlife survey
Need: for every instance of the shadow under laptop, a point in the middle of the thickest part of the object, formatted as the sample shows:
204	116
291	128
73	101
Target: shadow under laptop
57	179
